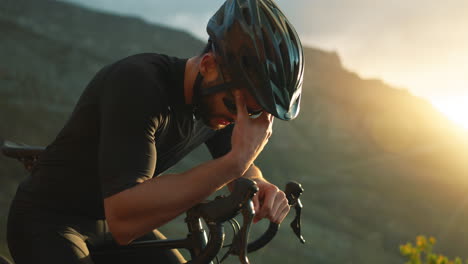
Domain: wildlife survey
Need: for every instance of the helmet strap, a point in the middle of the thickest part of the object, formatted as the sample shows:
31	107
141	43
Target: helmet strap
198	93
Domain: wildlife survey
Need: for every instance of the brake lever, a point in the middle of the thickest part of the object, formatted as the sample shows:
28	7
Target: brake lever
239	243
293	193
240	247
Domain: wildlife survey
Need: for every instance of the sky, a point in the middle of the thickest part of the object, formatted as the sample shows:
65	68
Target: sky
419	45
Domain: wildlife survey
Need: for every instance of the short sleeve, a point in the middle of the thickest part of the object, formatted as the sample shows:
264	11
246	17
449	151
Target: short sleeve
220	144
129	111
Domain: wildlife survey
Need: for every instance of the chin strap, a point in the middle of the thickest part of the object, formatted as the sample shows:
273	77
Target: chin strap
198	93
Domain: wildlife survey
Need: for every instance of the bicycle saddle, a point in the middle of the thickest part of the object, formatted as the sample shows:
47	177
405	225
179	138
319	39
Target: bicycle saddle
20	151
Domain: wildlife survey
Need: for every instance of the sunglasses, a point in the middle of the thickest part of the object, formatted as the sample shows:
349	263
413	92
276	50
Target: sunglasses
231	107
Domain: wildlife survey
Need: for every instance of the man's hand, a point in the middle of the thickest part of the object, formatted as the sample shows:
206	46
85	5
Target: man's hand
249	136
270	202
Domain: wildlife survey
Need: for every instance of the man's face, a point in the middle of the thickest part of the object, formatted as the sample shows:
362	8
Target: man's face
218	110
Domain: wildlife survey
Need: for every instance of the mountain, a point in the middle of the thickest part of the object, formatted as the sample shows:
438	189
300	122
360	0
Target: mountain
378	164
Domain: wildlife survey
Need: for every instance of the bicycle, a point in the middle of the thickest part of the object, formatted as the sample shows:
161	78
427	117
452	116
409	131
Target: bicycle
203	247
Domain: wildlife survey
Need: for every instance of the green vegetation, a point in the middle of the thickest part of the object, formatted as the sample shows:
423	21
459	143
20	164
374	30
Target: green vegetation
421	253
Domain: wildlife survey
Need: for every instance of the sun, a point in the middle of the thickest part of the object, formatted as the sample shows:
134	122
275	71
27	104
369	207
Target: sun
455	108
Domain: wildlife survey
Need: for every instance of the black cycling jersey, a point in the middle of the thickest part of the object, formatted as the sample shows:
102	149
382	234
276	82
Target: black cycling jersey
130	124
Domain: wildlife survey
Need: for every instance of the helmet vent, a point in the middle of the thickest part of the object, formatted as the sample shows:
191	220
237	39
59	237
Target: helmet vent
292	35
246	15
269	52
245	62
286	58
220	17
278	100
268	21
274	77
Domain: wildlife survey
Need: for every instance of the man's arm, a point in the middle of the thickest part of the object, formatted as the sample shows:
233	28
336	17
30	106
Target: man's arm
135	211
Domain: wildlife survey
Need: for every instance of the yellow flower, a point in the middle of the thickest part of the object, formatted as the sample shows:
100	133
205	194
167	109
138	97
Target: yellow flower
421	242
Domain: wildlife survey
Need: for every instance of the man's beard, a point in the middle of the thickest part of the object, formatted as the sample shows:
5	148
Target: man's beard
205	113
205	109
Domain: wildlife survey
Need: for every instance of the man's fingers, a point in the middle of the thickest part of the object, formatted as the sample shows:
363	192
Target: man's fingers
240	104
268	203
279	204
256	203
271	117
280	217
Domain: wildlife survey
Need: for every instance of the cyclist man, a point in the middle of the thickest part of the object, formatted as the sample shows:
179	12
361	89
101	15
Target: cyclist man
141	115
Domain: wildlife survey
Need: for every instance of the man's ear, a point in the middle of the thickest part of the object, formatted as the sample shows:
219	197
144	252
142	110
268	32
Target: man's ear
208	66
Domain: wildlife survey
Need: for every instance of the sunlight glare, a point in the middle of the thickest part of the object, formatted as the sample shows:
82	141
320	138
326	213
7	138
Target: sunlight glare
455	108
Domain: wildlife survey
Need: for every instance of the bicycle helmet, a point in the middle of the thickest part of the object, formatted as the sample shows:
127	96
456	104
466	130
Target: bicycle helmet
256	44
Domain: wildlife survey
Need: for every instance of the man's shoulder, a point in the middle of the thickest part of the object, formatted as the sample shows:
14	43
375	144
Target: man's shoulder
145	66
135	77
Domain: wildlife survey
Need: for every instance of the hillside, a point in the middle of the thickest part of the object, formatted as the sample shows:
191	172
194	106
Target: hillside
379	165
